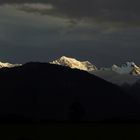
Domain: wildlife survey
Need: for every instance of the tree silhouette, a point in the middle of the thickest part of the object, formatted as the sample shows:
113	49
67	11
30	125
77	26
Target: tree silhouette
77	111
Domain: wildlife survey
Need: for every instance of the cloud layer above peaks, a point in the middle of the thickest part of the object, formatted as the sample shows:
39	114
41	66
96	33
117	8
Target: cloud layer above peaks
101	31
113	12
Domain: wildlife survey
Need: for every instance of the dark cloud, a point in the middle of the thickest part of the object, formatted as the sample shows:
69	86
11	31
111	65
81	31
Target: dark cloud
26	37
112	11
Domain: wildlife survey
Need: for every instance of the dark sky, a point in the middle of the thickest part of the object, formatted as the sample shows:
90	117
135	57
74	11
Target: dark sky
101	31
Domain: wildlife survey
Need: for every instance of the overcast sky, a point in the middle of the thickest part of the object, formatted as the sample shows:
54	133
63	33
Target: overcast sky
101	31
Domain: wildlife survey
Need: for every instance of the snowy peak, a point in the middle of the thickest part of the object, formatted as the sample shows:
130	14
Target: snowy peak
74	64
128	68
8	65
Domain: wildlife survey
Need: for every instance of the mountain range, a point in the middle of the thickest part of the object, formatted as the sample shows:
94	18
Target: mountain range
127	73
127	68
42	92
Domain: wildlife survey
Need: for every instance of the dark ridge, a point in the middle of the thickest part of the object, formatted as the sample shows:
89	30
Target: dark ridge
42	92
134	90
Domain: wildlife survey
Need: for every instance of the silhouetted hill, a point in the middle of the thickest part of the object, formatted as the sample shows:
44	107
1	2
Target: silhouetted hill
46	92
135	90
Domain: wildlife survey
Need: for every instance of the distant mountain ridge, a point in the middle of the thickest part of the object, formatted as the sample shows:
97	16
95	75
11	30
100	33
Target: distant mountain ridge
127	73
127	68
8	65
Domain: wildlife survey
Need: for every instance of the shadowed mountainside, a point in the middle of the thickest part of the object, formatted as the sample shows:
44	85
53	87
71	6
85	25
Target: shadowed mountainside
45	92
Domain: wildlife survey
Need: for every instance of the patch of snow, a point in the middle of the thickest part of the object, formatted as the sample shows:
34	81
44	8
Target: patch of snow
8	65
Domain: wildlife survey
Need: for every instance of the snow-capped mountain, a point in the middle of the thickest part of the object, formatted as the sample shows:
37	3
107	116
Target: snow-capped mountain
127	73
8	65
128	68
74	64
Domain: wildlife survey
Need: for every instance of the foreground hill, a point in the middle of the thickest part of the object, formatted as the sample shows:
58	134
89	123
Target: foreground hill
48	92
